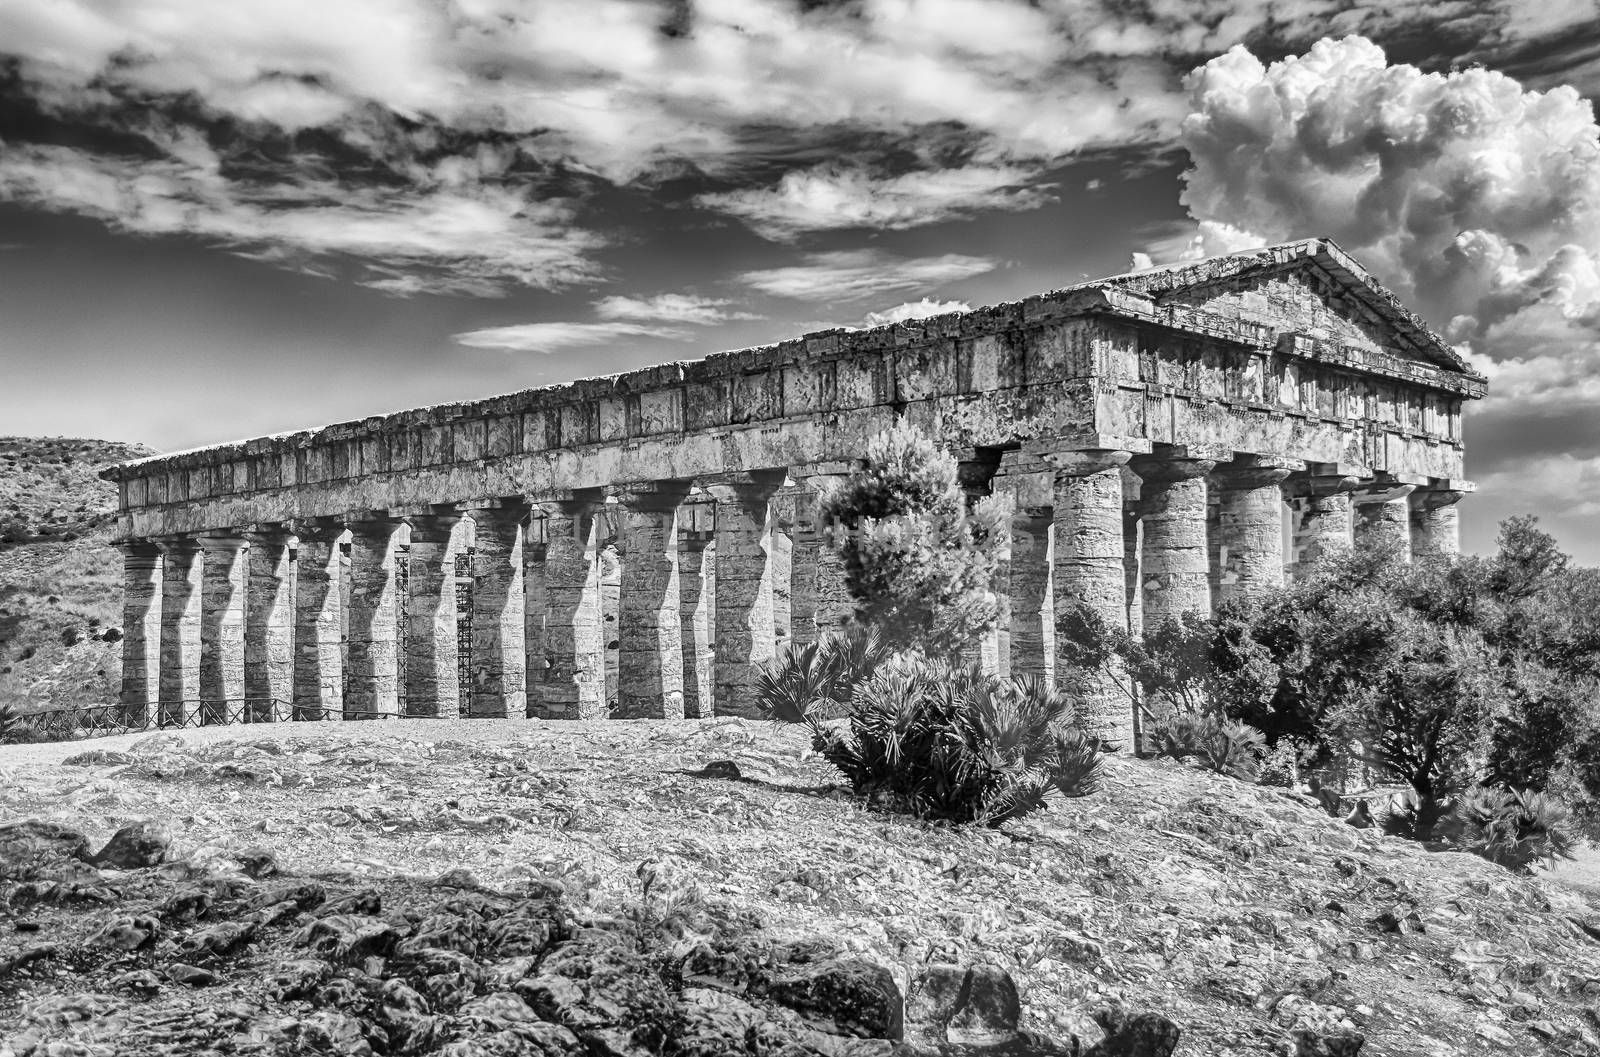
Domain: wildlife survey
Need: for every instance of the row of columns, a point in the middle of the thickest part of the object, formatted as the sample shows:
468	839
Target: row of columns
223	625
224	622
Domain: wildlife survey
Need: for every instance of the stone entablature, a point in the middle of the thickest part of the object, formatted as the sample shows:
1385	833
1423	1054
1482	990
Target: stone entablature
642	544
1074	367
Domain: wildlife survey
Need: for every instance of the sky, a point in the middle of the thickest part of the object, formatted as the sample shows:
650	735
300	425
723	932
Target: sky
222	220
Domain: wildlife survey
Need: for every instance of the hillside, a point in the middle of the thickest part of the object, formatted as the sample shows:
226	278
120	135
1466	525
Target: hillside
1242	913
60	583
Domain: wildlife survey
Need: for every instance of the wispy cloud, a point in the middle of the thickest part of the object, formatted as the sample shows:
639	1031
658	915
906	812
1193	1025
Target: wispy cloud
555	337
670	308
913	310
829	198
854	275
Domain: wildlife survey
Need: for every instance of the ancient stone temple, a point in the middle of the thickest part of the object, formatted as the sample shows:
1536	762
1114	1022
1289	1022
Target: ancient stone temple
640	545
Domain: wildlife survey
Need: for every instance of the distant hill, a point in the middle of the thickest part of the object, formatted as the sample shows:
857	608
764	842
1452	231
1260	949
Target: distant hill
60	581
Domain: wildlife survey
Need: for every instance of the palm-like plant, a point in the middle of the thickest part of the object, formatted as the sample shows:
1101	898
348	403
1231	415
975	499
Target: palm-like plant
1224	745
1514	828
948	742
819	678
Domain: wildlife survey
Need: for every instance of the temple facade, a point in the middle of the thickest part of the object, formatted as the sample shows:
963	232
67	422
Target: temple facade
639	546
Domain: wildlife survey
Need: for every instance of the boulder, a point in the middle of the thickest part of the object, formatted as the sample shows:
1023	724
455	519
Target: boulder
845	996
1136	1035
135	847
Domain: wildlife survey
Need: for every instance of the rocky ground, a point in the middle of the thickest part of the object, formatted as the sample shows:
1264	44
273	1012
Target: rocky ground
686	888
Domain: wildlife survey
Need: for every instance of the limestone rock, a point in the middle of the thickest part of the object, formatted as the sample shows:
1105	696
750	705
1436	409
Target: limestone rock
135	847
1138	1035
849	996
1307	1043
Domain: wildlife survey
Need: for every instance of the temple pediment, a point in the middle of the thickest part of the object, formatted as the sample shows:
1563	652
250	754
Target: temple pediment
1311	289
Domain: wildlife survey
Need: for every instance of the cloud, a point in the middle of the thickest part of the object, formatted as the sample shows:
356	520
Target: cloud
1475	198
1559	485
669	308
368	115
853	275
554	337
473	239
829	197
913	310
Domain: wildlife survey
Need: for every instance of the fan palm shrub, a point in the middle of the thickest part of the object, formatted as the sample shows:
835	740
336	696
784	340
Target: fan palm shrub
1224	745
1514	828
819	678
942	741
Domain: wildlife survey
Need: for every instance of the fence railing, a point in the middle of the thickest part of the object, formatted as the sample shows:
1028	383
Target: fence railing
103	721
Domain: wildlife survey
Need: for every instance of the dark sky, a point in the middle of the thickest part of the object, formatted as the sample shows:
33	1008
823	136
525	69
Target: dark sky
225	220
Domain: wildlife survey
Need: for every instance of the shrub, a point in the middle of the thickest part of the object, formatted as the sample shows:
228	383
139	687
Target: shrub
919	564
946	742
1513	828
818	679
1224	745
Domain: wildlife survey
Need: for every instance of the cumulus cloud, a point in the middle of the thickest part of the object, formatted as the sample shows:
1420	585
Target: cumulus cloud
913	310
853	275
830	197
670	308
554	337
1475	198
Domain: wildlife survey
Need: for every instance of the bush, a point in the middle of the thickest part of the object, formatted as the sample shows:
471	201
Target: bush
945	742
818	679
1224	745
1513	828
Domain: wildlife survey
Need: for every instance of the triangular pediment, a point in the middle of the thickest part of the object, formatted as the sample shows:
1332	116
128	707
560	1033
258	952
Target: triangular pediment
1310	288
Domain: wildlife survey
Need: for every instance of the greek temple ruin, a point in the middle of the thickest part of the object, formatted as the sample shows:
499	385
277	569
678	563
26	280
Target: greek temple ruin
640	546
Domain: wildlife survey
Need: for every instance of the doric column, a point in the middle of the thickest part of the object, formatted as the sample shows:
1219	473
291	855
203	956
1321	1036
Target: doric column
1435	523
1250	490
1383	516
141	629
696	592
745	636
650	650
318	657
222	628
1175	565
432	656
373	654
268	625
573	684
977	478
498	666
1132	548
1033	637
1088	570
1322	517
180	628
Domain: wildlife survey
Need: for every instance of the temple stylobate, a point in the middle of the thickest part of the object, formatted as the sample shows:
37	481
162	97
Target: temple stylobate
639	546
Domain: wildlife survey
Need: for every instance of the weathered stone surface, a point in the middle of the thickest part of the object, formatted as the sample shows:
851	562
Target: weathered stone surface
180	629
268	625
432	655
745	637
846	996
135	847
141	629
1174	575
318	660
572	682
222	627
372	646
497	669
650	654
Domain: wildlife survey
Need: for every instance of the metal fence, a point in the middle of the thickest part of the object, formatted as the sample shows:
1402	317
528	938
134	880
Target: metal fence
103	721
